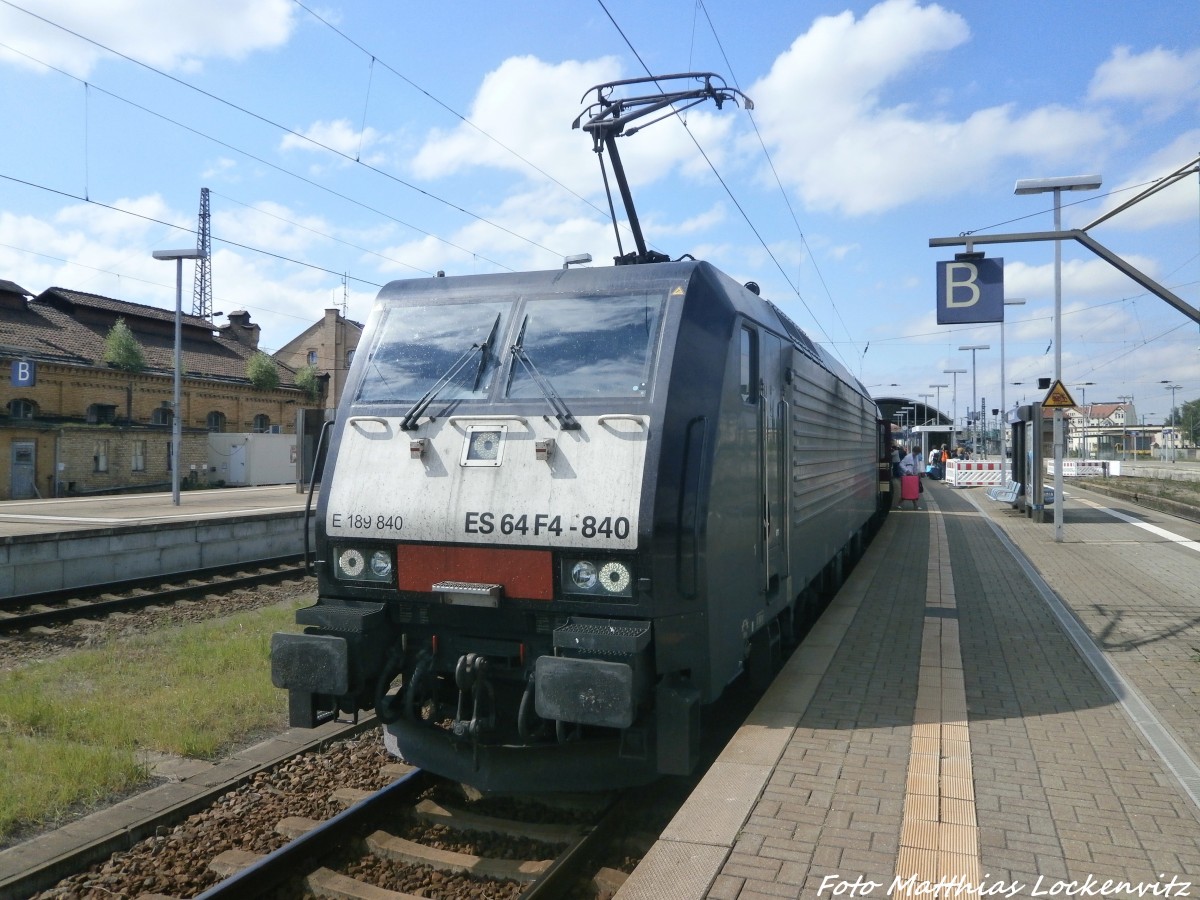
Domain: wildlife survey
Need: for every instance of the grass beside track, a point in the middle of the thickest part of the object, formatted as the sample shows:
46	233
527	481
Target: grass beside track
71	726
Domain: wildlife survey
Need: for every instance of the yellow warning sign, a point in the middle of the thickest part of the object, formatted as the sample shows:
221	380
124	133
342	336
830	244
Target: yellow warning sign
1059	397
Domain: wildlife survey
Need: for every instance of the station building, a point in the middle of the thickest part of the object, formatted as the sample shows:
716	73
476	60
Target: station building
73	423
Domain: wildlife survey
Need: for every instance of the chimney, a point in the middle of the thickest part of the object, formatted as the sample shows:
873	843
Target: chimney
241	329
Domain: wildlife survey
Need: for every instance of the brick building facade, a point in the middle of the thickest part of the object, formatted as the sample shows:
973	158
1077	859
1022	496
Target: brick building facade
329	347
72	423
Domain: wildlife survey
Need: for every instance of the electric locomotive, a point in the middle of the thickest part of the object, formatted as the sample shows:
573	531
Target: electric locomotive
562	510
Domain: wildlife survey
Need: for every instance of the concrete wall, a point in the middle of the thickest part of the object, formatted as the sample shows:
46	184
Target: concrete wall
31	564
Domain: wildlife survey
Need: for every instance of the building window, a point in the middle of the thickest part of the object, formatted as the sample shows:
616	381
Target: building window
161	416
100	457
262	424
170	456
312	357
349	358
21	409
101	413
138	463
216	422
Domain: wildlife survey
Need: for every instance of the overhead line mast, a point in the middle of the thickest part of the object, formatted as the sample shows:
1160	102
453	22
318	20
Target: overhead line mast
202	296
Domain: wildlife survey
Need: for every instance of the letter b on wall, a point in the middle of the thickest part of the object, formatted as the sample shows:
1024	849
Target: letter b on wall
970	290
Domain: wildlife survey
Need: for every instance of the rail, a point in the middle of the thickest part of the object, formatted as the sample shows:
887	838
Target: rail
280	568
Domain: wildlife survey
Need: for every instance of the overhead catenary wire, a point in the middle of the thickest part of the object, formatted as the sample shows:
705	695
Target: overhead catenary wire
187	229
298	135
778	181
375	58
265	162
729	192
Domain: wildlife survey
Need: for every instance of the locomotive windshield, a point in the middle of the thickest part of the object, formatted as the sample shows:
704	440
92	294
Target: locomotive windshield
586	346
420	345
596	346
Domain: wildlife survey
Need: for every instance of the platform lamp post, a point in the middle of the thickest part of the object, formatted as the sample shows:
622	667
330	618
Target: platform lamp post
954	421
176	419
1171	415
1008	301
1087	414
974	394
924	422
925	397
1057	186
939	398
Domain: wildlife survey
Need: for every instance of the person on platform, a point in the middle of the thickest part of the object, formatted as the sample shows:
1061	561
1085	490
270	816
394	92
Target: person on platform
910	479
897	455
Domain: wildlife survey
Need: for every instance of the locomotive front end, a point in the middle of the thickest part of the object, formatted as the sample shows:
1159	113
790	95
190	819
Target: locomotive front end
482	546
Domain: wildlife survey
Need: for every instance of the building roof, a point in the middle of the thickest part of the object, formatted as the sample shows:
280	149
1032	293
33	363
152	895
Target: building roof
61	325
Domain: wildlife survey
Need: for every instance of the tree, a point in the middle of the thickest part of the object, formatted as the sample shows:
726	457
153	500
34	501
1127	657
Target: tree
306	380
262	372
121	349
1191	421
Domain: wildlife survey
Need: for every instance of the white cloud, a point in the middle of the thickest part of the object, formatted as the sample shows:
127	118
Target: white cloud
1162	80
338	135
173	36
838	145
527	106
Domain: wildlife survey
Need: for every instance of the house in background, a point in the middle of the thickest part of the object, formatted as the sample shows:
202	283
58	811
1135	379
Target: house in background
72	423
328	346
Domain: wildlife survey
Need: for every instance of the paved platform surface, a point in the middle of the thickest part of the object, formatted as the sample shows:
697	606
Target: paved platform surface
73	514
982	711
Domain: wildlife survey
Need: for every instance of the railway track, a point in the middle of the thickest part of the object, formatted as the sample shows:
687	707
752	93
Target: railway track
353	856
23	612
345	820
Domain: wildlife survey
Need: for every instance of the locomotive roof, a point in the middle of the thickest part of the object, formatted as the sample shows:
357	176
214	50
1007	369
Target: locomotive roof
621	278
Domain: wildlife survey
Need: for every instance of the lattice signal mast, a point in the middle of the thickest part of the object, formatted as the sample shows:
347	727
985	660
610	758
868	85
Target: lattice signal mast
202	297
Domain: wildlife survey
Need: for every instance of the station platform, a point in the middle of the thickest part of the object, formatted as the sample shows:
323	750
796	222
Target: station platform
79	542
982	711
71	514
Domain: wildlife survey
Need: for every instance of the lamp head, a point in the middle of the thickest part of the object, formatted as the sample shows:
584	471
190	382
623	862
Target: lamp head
1066	183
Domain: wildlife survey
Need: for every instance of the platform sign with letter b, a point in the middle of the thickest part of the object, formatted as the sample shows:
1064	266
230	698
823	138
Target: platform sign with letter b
970	290
24	373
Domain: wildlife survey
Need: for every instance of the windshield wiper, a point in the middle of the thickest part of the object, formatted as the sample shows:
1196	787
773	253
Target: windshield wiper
565	420
409	422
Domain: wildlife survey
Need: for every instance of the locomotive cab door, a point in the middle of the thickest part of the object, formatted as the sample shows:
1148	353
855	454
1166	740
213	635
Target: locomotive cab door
773	468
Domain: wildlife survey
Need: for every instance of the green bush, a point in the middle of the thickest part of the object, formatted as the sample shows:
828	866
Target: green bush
262	372
121	349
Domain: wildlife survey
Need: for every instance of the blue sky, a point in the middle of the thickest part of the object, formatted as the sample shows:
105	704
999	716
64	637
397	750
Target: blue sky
386	140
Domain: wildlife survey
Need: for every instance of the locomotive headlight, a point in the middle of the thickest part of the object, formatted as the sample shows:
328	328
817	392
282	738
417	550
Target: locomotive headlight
584	575
350	563
614	577
483	445
381	564
363	564
605	579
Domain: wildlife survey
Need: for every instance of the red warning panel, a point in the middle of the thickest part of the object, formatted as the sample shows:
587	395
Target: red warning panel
528	574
